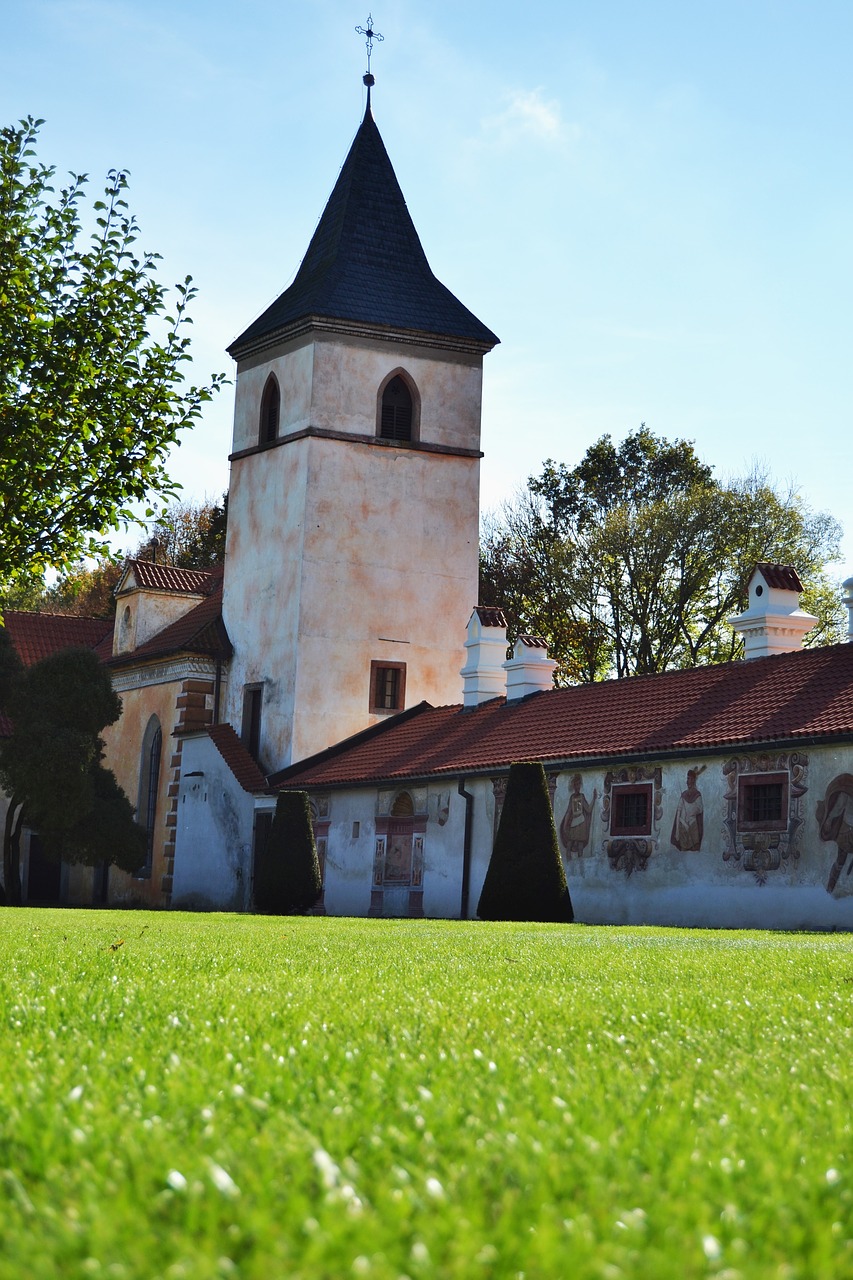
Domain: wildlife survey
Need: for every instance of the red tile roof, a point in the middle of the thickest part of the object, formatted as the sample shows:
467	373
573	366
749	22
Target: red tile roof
167	577
490	617
236	756
533	642
783	576
199	631
36	635
792	697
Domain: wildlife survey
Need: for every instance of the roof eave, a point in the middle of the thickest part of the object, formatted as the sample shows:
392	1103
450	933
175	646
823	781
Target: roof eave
241	349
563	763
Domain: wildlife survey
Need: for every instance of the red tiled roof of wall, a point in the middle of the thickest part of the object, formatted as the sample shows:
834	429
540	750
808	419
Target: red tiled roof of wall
201	630
237	757
490	617
793	696
782	576
36	635
167	577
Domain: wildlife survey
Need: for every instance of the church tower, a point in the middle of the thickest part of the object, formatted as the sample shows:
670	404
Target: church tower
352	551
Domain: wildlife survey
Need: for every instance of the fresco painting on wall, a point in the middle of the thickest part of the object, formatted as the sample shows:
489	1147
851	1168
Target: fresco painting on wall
577	820
689	824
835	821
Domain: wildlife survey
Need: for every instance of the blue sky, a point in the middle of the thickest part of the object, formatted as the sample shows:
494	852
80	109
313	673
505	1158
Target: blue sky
651	205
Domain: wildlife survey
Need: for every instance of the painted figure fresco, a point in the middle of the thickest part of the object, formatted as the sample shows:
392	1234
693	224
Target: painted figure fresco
574	829
835	819
689	825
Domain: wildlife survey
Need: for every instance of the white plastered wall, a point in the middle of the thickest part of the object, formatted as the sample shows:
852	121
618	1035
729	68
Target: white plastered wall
342	553
213	850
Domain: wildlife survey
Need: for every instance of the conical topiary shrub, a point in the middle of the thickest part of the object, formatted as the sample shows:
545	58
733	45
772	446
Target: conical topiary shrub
525	879
287	873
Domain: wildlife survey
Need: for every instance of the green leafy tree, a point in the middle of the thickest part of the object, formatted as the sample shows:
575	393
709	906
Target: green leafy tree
190	535
50	765
525	879
287	871
92	355
631	562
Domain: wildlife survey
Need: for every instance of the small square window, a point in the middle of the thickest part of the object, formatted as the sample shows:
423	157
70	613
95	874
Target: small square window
631	810
762	802
387	687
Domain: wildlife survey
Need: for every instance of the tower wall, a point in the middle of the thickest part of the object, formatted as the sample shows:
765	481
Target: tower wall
344	552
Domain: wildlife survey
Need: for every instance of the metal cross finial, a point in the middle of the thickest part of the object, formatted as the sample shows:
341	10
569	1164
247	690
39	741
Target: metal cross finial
371	36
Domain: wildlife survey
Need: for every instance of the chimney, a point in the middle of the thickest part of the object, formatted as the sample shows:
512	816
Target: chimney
847	601
529	670
773	622
482	675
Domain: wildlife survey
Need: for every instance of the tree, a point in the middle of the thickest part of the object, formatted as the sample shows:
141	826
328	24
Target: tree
631	562
287	871
190	535
50	764
91	365
525	879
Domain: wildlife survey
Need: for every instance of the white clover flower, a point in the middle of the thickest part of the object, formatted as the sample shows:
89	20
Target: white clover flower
711	1248
222	1180
328	1170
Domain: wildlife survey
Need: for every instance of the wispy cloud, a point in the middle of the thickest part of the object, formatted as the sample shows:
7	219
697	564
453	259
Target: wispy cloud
528	115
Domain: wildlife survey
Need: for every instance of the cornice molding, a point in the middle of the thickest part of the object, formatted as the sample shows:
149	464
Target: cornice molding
358	329
351	437
183	668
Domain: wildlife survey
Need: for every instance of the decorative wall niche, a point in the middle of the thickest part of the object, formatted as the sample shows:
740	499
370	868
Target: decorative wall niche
764	811
631	810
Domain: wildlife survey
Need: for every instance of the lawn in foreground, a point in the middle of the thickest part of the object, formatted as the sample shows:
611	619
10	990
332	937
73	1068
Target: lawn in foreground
208	1096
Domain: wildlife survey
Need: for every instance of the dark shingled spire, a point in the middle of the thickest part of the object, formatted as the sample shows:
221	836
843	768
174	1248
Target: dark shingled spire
365	263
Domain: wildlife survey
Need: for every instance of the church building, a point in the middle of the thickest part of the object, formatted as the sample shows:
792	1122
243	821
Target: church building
341	651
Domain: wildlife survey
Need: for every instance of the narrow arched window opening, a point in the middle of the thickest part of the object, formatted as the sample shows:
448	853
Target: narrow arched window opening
397	411
270	412
149	784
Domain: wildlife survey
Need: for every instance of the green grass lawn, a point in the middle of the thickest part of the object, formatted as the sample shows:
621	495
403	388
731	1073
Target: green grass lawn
272	1097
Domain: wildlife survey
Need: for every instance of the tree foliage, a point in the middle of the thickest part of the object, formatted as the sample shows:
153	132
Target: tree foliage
91	364
190	535
631	562
51	764
525	879
287	871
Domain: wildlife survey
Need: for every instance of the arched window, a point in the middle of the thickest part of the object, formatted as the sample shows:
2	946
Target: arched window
149	784
270	412
397	411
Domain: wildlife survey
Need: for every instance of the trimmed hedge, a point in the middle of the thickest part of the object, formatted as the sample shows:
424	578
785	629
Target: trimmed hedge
287	873
526	879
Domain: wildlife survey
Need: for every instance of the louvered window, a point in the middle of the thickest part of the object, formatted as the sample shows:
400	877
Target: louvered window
396	420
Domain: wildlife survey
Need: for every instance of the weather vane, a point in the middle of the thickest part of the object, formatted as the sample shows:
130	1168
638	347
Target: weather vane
368	44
